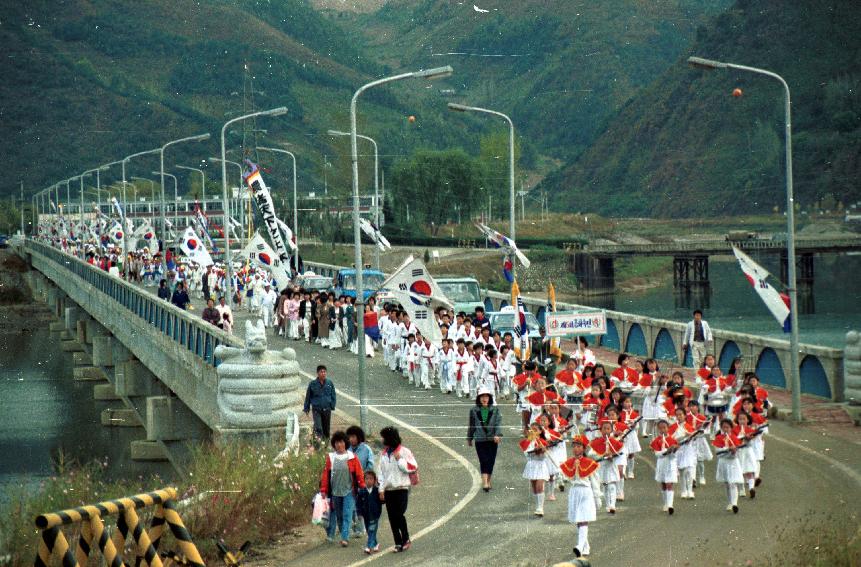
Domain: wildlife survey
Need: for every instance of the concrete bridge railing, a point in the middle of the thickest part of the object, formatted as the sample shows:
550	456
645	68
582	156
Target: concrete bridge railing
821	367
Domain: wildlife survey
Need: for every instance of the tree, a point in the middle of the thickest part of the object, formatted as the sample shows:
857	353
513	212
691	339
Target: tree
432	182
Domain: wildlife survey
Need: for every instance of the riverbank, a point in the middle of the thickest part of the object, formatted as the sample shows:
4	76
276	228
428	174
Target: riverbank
18	312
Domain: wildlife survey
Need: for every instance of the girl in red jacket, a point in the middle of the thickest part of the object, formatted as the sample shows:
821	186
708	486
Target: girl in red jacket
341	480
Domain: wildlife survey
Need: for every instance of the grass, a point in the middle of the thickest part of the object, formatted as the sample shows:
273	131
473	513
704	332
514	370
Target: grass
236	492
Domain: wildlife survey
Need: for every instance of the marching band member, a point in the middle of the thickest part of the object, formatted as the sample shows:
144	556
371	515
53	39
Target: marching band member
607	448
717	394
620	428
728	466
584	496
666	469
523	383
704	450
746	433
623	375
650	388
568	381
630	417
593	409
686	454
557	451
759	421
537	470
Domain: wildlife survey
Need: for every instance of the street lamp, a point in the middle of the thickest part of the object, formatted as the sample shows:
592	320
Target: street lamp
464	108
151	188
436	73
376	185
238	201
198	138
295	213
228	260
175	196
202	181
790	222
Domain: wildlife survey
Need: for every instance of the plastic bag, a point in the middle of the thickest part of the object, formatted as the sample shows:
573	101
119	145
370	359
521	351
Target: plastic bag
320	510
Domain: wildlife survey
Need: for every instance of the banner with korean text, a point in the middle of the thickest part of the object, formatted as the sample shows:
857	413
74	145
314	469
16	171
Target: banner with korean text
571	323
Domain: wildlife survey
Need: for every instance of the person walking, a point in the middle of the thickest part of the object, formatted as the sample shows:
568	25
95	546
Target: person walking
698	337
211	314
342	479
180	297
320	397
356	439
485	430
397	463
163	290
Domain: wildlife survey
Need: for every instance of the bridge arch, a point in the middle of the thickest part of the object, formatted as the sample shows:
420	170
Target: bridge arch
636	343
503	303
611	339
541	316
728	353
665	348
488	304
769	369
813	378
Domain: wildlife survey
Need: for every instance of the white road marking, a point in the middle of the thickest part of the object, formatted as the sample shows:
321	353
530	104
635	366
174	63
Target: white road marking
849	471
470	468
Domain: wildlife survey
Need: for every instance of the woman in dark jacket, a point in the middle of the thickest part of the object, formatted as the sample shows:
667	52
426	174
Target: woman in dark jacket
485	429
180	296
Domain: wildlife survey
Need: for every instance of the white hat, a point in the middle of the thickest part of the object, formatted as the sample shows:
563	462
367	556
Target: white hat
484	390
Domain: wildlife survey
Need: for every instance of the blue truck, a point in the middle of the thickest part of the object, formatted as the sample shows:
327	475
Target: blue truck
344	282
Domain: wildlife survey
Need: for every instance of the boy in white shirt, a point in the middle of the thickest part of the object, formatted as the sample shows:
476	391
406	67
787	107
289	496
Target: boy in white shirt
463	362
446	367
427	357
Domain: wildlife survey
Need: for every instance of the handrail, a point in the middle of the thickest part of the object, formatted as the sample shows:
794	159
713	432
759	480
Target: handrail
198	336
721	245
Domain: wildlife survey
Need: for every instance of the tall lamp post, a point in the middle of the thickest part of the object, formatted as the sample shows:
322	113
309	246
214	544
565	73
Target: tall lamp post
376	185
790	221
464	108
151	188
202	181
436	73
295	211
238	201
175	196
228	275
198	138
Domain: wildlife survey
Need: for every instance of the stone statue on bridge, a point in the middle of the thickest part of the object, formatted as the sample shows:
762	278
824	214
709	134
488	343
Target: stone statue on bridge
259	388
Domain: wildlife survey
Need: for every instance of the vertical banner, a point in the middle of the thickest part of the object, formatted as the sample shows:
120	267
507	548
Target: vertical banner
267	210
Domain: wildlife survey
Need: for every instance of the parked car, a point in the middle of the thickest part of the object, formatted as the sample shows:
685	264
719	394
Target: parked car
503	321
344	282
313	282
463	292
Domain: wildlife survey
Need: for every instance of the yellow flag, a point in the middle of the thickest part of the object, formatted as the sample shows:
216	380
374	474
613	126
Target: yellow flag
555	343
515	291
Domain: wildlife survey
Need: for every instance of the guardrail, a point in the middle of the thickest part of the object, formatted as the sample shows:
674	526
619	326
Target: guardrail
643	336
195	334
721	245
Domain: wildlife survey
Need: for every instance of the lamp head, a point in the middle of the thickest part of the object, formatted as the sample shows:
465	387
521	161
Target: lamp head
275	111
457	107
200	138
706	63
337	133
435	73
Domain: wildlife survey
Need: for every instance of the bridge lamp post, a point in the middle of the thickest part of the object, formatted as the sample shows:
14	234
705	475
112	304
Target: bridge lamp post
151	188
464	108
198	138
202	180
295	211
790	220
436	73
228	276
376	185
175	195
241	216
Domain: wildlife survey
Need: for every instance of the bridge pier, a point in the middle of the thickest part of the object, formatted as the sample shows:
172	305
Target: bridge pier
595	274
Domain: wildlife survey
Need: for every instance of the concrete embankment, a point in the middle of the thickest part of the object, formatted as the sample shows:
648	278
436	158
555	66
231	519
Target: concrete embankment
18	312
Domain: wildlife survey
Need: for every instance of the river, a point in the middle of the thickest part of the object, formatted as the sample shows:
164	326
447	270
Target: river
735	306
44	411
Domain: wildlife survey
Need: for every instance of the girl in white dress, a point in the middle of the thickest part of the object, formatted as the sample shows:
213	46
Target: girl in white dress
747	454
666	469
632	443
584	497
537	469
653	400
558	451
686	454
728	465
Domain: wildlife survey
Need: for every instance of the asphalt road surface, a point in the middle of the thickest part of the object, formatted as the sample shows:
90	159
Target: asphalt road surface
811	482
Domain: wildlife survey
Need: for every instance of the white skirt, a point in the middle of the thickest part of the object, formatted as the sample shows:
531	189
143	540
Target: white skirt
704	448
666	469
581	504
686	456
559	454
608	471
747	460
632	443
537	468
758	445
651	409
729	470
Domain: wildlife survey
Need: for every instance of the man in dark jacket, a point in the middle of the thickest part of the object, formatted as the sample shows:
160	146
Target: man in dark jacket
180	297
320	397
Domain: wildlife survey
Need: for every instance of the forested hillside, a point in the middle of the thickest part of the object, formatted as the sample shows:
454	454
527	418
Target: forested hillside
685	145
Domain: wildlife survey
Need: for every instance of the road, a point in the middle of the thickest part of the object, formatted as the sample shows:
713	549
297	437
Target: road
811	483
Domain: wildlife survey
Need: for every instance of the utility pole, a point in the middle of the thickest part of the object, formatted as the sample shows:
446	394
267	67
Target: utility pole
22	209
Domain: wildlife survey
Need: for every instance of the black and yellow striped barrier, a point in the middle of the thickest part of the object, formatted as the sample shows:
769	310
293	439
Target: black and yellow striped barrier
93	533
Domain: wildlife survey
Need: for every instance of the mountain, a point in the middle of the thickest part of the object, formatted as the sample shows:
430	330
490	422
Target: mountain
86	83
558	67
684	145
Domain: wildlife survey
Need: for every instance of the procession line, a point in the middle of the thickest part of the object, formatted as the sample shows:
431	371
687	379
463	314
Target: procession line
454	510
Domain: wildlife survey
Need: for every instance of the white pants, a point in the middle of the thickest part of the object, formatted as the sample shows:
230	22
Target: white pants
293	329
266	314
426	374
446	377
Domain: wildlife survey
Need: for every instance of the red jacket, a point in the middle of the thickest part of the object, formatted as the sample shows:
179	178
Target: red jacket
353	466
578	467
606	446
662	443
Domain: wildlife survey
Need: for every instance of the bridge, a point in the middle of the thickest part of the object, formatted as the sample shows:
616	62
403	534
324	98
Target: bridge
821	367
161	362
593	264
